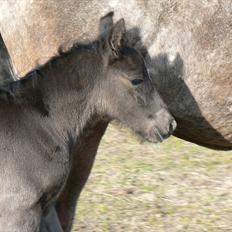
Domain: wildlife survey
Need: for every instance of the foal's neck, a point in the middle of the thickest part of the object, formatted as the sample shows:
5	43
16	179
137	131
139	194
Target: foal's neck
68	85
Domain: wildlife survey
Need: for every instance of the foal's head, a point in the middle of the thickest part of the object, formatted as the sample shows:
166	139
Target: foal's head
125	91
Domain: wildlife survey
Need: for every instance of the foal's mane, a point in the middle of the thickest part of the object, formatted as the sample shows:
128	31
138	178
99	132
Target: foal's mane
26	90
13	90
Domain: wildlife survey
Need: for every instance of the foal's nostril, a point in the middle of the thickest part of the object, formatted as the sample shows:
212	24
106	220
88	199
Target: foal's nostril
172	126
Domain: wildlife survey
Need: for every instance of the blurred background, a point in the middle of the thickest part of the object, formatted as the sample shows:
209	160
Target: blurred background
138	186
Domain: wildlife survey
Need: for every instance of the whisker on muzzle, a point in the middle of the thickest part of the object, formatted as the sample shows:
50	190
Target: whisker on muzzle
160	136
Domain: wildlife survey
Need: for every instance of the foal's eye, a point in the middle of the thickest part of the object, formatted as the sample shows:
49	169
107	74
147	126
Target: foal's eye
136	81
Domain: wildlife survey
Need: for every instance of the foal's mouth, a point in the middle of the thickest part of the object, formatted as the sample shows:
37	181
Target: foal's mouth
155	136
161	138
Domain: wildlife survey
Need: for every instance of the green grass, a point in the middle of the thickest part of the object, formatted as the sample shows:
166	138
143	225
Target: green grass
173	187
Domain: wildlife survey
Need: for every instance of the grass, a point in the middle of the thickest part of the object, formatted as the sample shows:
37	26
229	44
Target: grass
175	186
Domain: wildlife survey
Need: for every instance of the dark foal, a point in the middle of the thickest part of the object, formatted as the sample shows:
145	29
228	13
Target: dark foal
47	121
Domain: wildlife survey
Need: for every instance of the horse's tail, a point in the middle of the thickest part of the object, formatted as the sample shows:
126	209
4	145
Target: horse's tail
7	71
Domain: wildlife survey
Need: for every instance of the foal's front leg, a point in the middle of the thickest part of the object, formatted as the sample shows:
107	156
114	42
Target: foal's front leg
82	164
50	221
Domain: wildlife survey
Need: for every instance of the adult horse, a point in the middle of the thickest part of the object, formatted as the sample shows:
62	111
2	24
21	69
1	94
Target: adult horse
190	49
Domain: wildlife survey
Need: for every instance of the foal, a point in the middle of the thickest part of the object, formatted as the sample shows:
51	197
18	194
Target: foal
44	119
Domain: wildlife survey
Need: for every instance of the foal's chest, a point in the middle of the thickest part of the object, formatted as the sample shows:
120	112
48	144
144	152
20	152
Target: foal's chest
35	157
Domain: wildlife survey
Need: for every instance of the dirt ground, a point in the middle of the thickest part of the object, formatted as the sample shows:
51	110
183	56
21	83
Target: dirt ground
175	186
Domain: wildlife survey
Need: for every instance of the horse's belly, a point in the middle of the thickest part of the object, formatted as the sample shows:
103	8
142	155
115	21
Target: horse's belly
191	64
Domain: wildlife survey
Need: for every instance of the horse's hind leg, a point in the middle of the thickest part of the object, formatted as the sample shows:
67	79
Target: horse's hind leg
50	222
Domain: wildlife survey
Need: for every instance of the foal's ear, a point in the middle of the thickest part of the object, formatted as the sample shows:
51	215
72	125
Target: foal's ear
116	37
111	35
106	24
